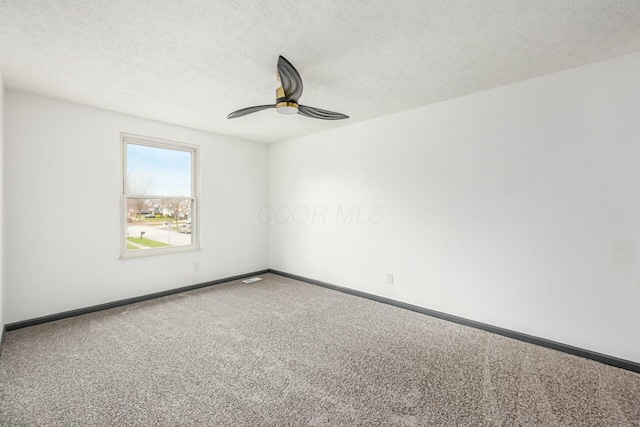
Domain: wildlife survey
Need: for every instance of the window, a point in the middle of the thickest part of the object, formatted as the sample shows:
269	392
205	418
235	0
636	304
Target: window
159	197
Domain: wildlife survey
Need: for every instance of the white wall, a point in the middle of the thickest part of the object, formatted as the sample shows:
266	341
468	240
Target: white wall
2	322
62	196
518	206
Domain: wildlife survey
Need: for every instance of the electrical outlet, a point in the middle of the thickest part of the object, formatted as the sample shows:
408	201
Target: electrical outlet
196	266
389	278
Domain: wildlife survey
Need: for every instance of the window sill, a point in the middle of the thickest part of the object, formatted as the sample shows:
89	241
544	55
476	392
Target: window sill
143	253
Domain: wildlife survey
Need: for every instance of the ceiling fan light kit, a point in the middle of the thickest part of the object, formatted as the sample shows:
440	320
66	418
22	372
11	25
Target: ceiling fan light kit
287	95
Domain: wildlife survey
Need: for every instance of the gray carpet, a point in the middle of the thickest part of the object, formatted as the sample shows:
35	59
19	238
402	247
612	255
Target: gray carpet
284	353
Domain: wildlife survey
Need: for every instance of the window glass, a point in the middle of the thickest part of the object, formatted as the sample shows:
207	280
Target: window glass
159	197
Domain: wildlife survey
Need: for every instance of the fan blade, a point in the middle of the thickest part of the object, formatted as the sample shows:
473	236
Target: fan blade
249	110
317	113
290	79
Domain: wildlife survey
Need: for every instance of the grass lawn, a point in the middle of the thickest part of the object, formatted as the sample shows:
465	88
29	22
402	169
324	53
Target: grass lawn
131	247
143	219
154	221
147	242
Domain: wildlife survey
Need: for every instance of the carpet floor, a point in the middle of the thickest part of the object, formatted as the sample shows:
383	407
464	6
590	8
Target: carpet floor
284	353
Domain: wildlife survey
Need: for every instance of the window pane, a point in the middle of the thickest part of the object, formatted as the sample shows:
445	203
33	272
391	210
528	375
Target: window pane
155	223
158	171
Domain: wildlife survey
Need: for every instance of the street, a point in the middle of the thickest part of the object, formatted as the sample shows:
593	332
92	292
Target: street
159	233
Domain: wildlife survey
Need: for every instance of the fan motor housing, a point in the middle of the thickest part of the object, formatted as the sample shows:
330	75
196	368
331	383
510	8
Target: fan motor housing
287	108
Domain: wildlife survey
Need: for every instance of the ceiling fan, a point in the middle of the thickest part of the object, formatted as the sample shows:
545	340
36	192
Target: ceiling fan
287	96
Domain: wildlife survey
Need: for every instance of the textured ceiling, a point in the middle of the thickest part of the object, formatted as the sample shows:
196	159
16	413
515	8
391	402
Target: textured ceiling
191	62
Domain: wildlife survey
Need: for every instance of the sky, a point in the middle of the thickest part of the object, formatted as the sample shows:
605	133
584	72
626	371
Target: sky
158	171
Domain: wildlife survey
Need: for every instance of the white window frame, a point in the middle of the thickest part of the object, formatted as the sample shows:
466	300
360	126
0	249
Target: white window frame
126	138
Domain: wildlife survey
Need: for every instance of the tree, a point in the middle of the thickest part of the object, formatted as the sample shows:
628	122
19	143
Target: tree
137	185
176	208
139	205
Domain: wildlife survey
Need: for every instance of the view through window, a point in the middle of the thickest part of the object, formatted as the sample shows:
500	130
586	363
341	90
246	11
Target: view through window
159	196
